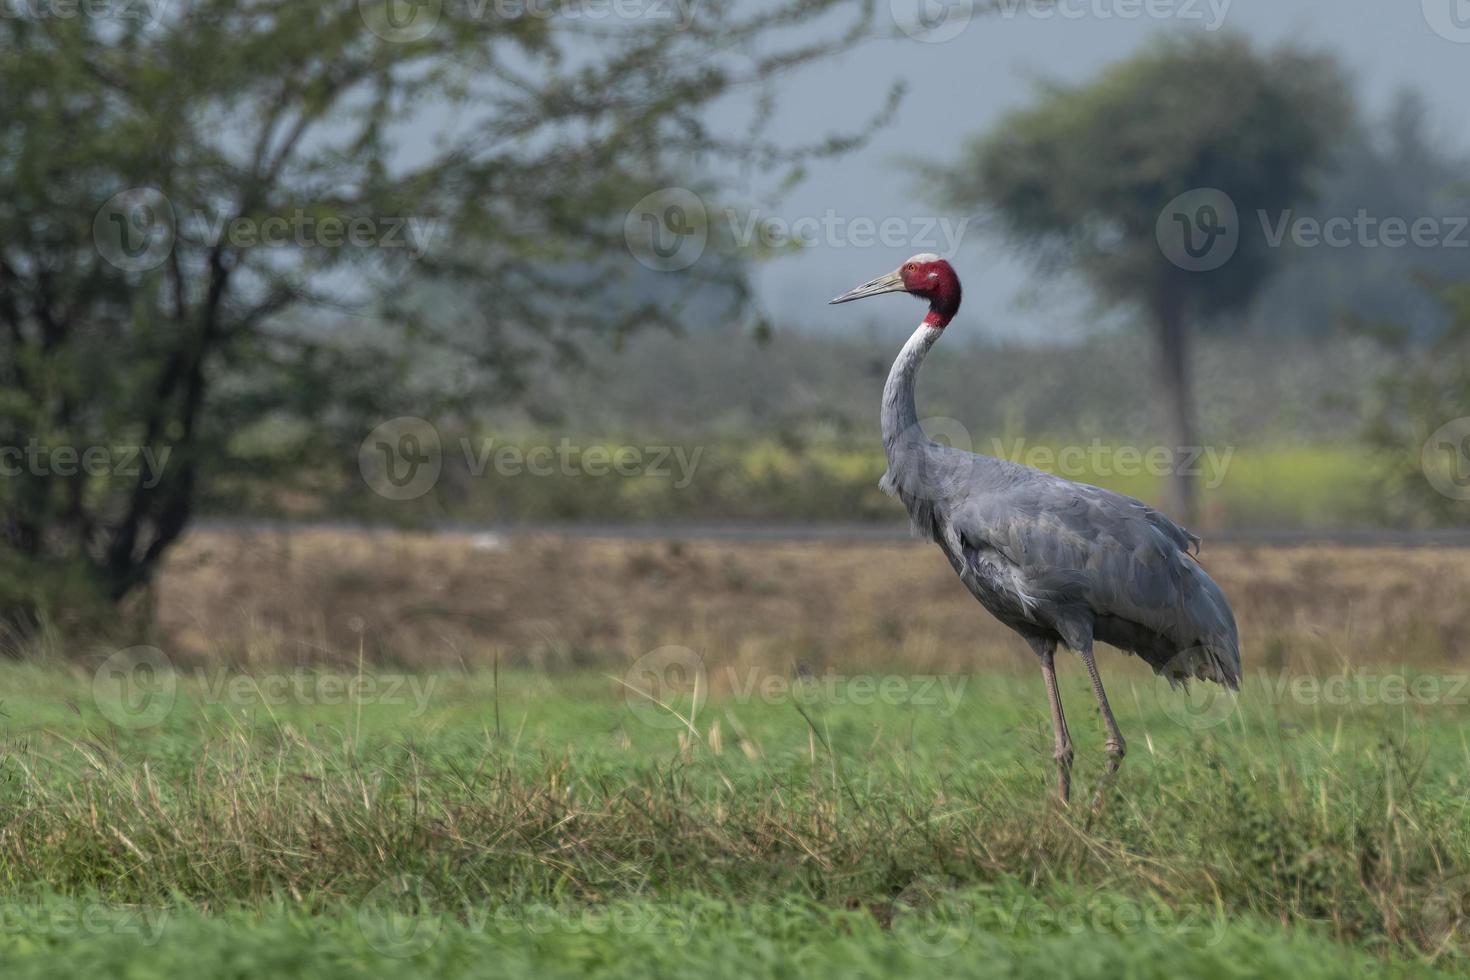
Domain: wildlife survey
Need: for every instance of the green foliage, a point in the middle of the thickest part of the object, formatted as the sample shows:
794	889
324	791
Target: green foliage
892	835
1421	429
1083	176
261	262
1393	168
793	480
1086	179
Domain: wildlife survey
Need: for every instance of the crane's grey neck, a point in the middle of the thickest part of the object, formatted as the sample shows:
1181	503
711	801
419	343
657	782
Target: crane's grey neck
900	416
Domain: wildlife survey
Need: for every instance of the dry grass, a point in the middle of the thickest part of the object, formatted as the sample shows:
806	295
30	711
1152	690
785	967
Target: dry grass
439	600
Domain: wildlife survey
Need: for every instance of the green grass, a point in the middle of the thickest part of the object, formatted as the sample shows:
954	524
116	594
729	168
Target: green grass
271	825
1306	486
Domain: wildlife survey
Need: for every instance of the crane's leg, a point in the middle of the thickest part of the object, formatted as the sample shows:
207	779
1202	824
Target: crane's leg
1116	747
1046	651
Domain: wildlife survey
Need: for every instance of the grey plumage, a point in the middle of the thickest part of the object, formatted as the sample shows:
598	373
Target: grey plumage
1054	559
1057	561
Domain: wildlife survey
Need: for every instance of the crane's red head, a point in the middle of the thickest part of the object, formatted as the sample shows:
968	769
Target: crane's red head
926	276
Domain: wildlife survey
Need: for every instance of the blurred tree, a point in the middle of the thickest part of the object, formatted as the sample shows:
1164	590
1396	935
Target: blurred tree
1420	425
1148	181
194	198
1394	168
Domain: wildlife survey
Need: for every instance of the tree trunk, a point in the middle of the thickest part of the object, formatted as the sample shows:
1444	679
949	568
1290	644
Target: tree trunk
1172	340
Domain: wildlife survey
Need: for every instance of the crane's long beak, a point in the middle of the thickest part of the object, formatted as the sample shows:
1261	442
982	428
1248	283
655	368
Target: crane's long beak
891	283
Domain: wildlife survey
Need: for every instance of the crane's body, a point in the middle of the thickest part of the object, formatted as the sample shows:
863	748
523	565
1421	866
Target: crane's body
1056	561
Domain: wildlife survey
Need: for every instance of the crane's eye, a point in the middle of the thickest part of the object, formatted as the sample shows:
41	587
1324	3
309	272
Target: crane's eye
909	267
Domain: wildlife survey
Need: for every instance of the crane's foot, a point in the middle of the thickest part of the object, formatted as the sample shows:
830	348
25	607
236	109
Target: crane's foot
1064	775
1116	748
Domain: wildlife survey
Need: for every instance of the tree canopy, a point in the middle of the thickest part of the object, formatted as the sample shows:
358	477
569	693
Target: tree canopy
226	215
1148	179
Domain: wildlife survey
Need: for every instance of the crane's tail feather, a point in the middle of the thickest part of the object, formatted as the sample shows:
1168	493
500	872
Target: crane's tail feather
1218	662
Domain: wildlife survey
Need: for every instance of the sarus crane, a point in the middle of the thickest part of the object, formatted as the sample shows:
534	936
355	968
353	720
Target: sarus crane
1056	561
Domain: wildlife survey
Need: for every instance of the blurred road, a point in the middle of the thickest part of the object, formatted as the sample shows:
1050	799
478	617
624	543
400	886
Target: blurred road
1366	537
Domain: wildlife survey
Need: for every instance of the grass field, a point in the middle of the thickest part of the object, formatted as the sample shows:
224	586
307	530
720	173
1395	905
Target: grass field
1291	485
281	823
607	800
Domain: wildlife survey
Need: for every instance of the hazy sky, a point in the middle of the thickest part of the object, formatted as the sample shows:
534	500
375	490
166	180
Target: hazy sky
961	85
